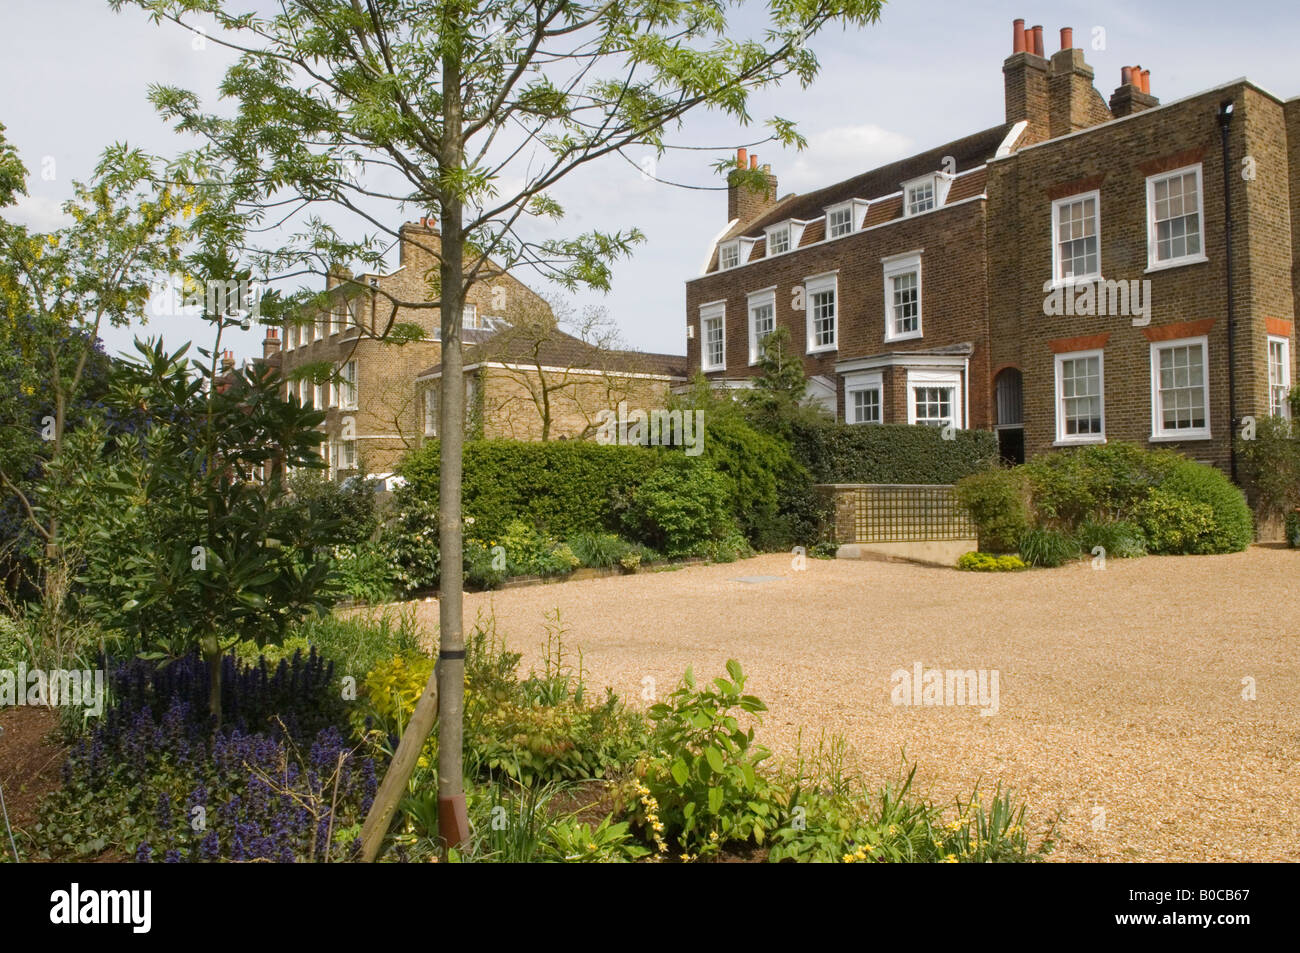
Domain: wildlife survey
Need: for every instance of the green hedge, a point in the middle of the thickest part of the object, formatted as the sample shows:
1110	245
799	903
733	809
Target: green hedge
560	487
892	453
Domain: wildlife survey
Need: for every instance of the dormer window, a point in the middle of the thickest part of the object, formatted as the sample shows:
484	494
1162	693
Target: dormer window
784	237
728	255
926	193
920	198
778	240
845	218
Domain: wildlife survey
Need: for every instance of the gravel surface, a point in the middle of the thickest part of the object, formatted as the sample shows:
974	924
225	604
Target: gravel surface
1120	692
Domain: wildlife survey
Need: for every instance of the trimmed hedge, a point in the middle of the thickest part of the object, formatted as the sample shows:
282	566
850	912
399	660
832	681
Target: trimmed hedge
560	487
892	453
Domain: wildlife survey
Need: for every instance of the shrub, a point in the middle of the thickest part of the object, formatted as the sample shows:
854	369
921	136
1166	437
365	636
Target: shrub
1121	539
1098	483
1292	525
1270	466
680	507
530	552
1048	548
998	502
411	539
599	550
891	453
352	503
366	572
990	562
1173	524
702	789
1232	527
561	487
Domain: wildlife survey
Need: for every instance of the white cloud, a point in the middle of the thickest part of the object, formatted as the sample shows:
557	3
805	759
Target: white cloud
40	213
840	152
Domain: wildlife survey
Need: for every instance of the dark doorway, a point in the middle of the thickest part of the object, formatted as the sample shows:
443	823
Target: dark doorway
1008	401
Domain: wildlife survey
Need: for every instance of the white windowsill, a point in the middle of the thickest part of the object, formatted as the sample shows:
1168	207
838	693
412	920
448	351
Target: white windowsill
824	349
1175	263
1078	442
1179	437
1072	282
909	336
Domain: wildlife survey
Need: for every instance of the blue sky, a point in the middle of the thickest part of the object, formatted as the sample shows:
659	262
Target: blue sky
74	76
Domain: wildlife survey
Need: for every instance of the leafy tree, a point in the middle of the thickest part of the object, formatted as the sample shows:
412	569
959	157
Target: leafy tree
474	112
189	536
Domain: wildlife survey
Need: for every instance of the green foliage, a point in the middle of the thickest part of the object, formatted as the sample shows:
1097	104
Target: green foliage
1048	548
1292	526
560	487
1232	528
990	562
1269	466
892	453
1100	483
570	841
599	550
680	507
529	552
1121	539
998	502
364	572
410	537
355	642
702	791
351	505
1173	524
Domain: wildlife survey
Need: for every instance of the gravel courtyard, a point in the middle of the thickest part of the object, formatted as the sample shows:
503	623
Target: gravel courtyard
1120	691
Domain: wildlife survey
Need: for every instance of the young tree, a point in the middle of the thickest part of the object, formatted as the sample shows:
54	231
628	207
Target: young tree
473	111
59	290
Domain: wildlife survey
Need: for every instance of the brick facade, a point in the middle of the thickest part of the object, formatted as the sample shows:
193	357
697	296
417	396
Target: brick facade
988	259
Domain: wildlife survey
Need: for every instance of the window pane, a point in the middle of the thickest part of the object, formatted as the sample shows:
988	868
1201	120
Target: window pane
1176	206
823	318
906	294
1181	389
933	405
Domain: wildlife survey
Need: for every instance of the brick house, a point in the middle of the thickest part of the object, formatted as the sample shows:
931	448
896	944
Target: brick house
530	383
1062	277
374	412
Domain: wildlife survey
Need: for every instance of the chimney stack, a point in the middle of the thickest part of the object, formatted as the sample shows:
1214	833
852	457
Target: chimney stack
1024	77
1073	101
271	343
744	203
1067	38
1134	92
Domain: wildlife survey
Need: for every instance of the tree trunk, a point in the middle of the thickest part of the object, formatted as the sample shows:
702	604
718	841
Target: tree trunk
450	670
212	655
444	695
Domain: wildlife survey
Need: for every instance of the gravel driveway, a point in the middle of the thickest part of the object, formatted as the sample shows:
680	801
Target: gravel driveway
1120	692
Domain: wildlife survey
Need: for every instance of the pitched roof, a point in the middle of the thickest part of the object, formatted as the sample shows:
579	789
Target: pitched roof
514	345
882	184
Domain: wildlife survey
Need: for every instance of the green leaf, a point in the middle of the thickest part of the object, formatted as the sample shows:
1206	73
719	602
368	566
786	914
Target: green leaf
733	669
716	761
679	771
715	800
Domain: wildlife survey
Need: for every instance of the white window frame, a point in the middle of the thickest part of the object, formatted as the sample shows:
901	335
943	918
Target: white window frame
1153	263
894	267
348	385
864	383
1158	433
1057	204
851	209
938	182
1067	439
338	317
786	227
431	412
723	249
815	285
1285	383
755	300
708	313
342	447
469	318
950	379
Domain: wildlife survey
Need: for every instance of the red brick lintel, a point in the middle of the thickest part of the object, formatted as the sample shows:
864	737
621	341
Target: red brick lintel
1183	329
1279	327
1090	342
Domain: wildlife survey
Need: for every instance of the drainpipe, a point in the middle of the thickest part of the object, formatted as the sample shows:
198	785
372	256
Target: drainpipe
1225	120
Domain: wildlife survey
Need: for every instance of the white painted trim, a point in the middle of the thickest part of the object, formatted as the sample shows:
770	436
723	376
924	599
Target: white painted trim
1012	137
708	256
715	310
817	284
757	299
894	267
1158	434
924	378
864	381
1286	370
1057	280
1062	438
1153	264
